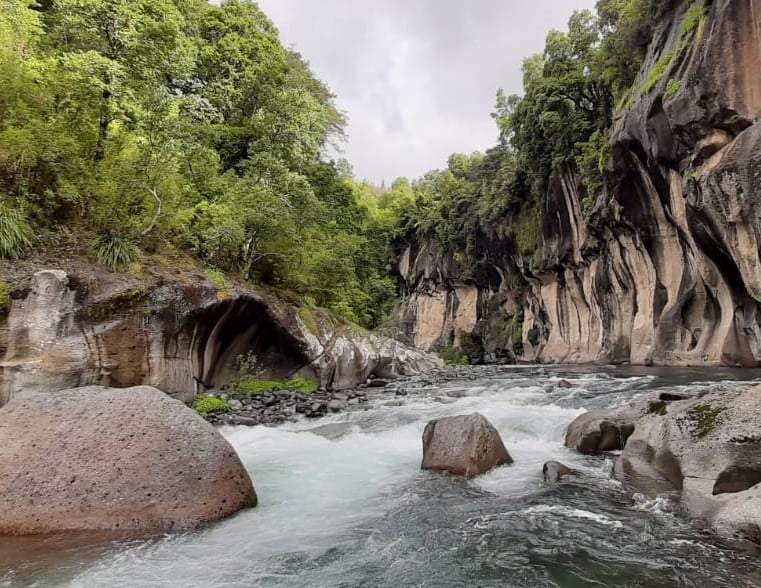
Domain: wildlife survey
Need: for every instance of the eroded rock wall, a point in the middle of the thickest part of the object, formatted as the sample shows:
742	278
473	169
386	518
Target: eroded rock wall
180	336
666	269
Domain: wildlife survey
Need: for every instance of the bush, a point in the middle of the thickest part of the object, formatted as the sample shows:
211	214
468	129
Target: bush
250	381
453	356
300	384
16	235
209	404
115	251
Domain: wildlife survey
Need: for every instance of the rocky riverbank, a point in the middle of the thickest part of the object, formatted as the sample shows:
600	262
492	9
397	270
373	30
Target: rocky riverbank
276	408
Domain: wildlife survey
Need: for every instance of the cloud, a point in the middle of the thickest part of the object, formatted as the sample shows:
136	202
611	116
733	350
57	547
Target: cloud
417	78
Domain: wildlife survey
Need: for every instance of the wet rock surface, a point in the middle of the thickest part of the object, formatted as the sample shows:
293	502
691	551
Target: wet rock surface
467	445
703	450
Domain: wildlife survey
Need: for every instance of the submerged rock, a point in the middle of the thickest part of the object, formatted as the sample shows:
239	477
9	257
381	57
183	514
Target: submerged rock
554	470
100	458
463	446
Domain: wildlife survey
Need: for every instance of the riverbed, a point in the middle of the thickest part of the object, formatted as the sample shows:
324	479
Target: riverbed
344	503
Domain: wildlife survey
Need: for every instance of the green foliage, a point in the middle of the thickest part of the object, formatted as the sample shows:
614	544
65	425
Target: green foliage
220	283
208	404
308	318
453	356
189	122
16	235
693	19
672	88
658	71
251	379
299	384
5	297
115	251
514	326
249	367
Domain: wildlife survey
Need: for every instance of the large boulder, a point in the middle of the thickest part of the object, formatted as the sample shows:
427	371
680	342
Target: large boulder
463	446
607	429
114	459
708	448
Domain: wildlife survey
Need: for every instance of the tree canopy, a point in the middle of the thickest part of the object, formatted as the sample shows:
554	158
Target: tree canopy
180	123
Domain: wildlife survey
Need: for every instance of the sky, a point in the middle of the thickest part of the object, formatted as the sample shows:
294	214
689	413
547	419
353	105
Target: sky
417	78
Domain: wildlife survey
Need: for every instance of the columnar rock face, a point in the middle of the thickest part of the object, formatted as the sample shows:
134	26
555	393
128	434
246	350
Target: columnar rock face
114	459
463	446
179	335
667	268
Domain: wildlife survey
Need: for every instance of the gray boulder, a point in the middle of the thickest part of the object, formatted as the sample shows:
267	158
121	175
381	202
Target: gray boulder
114	459
708	448
463	446
608	429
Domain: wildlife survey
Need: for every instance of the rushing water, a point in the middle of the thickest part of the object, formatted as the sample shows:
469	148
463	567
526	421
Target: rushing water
344	503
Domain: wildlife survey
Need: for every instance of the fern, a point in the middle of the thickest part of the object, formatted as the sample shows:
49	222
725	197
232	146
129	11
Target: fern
115	251
16	236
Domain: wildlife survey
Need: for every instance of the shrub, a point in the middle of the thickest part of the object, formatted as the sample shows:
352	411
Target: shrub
16	235
250	381
209	404
249	367
300	384
453	356
293	384
115	251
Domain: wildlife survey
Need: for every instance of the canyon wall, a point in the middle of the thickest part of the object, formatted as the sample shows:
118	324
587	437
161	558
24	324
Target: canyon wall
666	268
180	334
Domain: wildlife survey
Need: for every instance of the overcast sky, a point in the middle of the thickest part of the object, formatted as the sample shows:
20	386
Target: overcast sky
417	78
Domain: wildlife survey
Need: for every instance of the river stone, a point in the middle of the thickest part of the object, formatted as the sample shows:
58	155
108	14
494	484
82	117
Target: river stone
608	429
707	448
463	446
554	470
99	458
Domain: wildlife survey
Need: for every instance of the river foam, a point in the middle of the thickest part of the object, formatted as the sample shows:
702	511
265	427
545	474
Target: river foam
344	503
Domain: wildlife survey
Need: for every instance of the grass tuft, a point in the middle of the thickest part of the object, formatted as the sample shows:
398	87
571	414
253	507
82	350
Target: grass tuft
16	236
115	251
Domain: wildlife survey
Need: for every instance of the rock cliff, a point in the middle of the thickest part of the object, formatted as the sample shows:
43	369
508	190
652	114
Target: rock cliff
665	268
179	333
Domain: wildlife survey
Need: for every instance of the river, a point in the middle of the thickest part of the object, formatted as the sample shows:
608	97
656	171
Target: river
344	503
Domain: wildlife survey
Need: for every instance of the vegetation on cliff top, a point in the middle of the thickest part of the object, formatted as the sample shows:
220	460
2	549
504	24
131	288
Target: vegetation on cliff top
183	124
156	124
561	121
